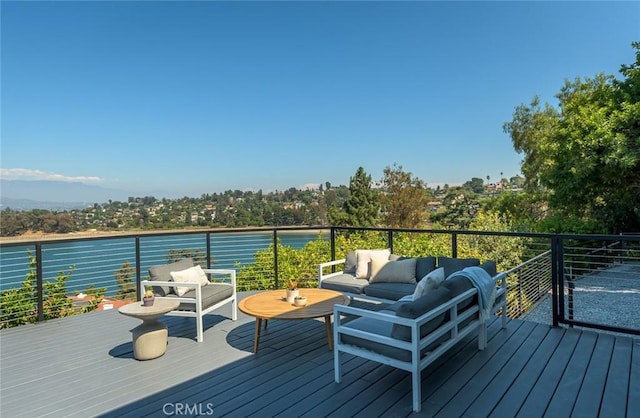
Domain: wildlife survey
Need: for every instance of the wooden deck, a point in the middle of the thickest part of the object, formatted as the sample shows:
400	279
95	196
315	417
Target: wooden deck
83	366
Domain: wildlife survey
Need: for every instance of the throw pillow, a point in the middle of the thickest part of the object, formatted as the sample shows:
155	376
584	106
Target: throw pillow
350	263
190	275
401	271
429	282
363	264
162	273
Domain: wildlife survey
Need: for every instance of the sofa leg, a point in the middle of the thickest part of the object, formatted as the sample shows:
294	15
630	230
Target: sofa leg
234	310
417	390
199	326
336	365
482	337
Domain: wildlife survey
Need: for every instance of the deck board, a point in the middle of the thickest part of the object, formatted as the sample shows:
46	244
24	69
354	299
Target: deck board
84	366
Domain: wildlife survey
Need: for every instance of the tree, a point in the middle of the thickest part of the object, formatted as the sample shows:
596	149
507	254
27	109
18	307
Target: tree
362	207
127	287
586	153
476	185
404	199
461	208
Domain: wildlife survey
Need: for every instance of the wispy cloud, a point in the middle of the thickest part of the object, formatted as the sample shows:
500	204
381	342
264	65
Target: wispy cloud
29	174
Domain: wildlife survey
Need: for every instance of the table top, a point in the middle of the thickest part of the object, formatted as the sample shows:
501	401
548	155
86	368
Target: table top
159	307
273	304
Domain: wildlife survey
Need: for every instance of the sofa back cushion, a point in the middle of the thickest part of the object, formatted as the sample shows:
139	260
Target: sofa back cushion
458	285
424	266
400	271
490	267
162	273
451	265
418	308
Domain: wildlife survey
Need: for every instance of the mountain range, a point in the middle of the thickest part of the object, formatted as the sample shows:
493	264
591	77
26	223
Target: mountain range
54	195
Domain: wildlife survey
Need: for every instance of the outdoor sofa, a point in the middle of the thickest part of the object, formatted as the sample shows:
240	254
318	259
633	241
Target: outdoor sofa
453	301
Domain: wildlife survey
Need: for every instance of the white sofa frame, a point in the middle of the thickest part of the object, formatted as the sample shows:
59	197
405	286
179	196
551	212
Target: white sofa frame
417	344
199	312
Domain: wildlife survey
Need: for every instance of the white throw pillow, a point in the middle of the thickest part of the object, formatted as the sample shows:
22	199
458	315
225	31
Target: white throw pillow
400	271
363	261
191	275
429	282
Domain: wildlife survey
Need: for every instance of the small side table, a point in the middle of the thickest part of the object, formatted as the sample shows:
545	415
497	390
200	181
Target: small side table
150	337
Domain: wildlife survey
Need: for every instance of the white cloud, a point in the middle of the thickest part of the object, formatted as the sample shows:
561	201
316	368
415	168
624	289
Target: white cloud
309	186
29	174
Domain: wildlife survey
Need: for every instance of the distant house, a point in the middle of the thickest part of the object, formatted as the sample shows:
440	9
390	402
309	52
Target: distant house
434	206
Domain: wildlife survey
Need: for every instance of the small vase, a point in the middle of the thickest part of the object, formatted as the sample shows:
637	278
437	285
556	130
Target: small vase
147	301
291	295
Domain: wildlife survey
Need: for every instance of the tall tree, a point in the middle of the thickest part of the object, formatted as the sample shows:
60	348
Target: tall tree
404	199
587	153
362	208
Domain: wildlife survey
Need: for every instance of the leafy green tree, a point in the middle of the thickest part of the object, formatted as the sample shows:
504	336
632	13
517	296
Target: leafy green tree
126	286
198	256
460	209
19	306
362	208
476	185
404	199
586	153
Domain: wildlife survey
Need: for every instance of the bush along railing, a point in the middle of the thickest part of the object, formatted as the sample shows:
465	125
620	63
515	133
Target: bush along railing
528	283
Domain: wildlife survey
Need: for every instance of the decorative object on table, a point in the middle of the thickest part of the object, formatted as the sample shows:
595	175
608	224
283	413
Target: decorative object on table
148	298
300	301
292	290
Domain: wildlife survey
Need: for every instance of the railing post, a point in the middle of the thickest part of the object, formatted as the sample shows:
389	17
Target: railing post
275	257
138	274
39	285
332	235
390	239
560	272
520	304
454	245
208	250
554	281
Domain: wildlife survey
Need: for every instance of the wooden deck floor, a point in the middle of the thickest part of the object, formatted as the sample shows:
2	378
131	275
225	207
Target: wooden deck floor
83	366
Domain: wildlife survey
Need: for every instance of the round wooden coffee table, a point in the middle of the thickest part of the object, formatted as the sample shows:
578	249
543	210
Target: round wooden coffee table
150	337
272	305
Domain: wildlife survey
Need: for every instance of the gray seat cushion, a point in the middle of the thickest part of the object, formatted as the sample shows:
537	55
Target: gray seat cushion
376	327
211	294
162	273
392	291
345	283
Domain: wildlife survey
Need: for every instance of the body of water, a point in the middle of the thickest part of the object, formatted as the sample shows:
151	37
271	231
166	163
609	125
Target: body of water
94	262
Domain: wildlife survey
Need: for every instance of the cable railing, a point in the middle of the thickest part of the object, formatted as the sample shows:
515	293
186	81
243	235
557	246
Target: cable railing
538	266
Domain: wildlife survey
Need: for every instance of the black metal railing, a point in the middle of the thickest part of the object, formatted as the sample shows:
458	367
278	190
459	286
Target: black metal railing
537	264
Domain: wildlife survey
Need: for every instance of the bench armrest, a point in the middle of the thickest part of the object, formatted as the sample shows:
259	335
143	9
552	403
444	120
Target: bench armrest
321	274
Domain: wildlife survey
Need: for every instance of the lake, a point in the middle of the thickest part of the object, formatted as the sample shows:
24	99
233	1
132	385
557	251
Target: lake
96	260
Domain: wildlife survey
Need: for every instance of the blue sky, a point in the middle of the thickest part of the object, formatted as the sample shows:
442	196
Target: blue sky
185	98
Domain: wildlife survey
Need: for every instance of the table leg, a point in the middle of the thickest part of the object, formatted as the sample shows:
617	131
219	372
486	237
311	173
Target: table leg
256	337
149	340
327	324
